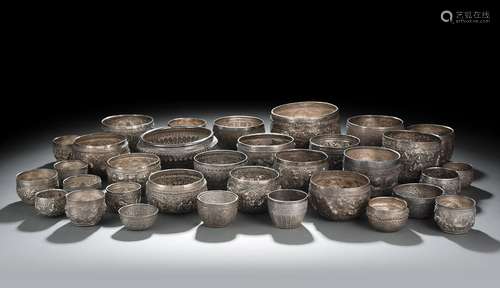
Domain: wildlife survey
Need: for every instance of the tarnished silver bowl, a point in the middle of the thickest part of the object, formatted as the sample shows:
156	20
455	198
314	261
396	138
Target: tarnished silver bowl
66	168
82	181
216	164
32	181
418	151
129	125
420	198
261	147
296	166
217	208
177	147
339	195
445	178
96	148
175	190
85	207
464	170
252	184
138	216
387	214
50	202
370	128
334	146
229	128
287	207
455	214
62	146
304	120
380	164
187	122
121	194
445	133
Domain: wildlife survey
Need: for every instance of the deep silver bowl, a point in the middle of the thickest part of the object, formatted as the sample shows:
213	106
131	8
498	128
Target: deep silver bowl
420	198
138	216
229	128
62	146
121	194
128	125
187	122
304	120
455	214
50	202
216	164
334	146
387	214
464	170
85	207
32	181
445	178
261	147
445	133
217	208
287	207
370	128
296	166
66	168
82	181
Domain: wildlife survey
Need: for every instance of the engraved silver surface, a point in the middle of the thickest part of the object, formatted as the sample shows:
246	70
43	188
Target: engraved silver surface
82	181
67	168
216	164
229	128
262	147
50	202
464	170
387	214
121	194
370	128
32	181
187	122
217	208
62	146
445	178
287	207
420	198
455	214
85	207
334	146
129	125
138	217
445	133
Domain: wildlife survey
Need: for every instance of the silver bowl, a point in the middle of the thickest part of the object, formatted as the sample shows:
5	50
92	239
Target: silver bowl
296	166
387	214
229	128
138	216
464	170
370	128
334	146
455	214
217	208
445	178
261	147
50	202
32	181
187	122
66	168
85	207
287	207
82	181
62	146
420	198
445	133
121	194
216	164
128	125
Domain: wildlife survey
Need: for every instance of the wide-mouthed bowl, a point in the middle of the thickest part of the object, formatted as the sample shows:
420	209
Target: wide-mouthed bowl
296	166
229	128
464	170
445	133
445	178
418	151
175	190
82	181
187	122
287	207
50	202
129	125
304	120
420	198
66	168
138	216
32	181
216	164
370	128
96	148
334	146
85	207
177	147
339	195
455	214
387	214
380	164
62	146
261	147
252	184
217	208
121	194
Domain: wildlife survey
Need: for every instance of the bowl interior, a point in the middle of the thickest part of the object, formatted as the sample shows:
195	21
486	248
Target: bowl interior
217	197
99	139
124	121
440	173
457	166
334	141
123	187
387	204
310	110
132	161
287	195
300	155
37	174
85	195
70	164
176	177
138	210
51	194
254	173
220	157
376	121
418	190
81	180
187	122
432	129
455	202
176	136
339	179
413	136
371	154
238	122
265	139
65	139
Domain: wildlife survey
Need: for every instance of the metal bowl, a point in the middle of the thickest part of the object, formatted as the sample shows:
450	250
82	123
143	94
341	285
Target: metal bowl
387	214
85	207
187	122
82	181
380	164
217	208
96	148
339	195
66	168
128	125
445	133
445	178
175	190
229	128
138	216
420	198
464	170
252	184
304	120
287	207
121	194
370	128
50	202
62	146
261	147
334	146
455	214
418	151
177	147
32	181
216	164
296	166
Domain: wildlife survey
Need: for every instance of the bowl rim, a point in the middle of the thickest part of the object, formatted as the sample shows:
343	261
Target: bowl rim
149	121
133	155
85	190
138	187
396	153
55	175
451	131
74	136
83	164
440	168
120	140
304	194
296	163
276	172
455	196
51	189
387	133
290	140
334	111
261	122
374	199
399	194
154	213
236	197
350	123
223	151
203	121
87	175
340	172
314	140
469	167
189	185
167	129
